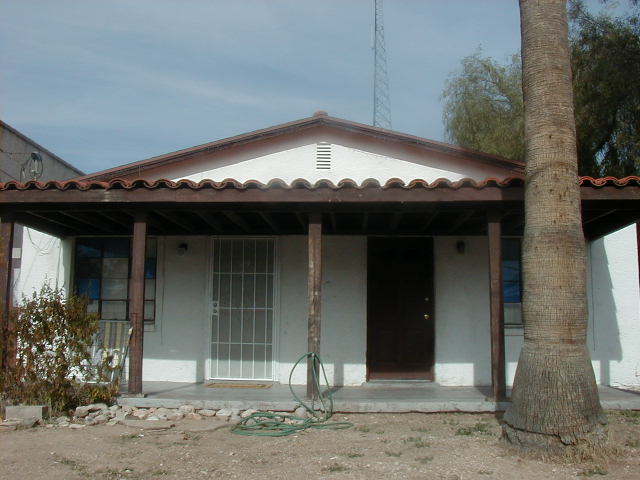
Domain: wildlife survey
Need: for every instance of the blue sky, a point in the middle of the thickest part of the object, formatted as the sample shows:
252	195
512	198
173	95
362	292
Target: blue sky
103	83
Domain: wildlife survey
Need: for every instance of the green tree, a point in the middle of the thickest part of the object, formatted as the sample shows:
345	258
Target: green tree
483	106
605	58
483	102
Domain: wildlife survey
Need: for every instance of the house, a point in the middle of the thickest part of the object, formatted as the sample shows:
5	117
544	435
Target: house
35	255
393	256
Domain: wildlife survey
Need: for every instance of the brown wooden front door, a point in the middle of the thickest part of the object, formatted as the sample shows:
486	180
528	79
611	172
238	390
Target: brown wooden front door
400	323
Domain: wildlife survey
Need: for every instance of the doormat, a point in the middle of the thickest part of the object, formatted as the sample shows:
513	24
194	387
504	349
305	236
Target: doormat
237	385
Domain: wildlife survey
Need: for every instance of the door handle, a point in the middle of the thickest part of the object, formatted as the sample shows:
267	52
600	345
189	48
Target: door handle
426	316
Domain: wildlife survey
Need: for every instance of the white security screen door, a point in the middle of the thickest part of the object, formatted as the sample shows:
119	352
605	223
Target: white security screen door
242	314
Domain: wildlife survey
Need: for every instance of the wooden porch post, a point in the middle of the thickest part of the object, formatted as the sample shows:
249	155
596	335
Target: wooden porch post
7	341
496	306
136	303
315	296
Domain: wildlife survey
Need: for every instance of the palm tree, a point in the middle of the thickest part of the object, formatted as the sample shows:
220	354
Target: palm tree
555	399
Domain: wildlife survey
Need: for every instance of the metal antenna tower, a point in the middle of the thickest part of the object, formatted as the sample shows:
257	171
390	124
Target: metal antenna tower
381	103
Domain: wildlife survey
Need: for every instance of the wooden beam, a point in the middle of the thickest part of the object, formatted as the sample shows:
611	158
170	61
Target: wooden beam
188	228
136	303
80	223
7	341
31	220
498	388
599	216
429	220
460	221
315	298
303	223
334	222
395	221
110	198
207	218
269	221
237	220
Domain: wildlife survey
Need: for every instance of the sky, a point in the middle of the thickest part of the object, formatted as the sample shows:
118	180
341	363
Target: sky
103	83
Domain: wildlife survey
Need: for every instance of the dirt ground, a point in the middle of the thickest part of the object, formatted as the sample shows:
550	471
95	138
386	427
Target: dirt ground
425	446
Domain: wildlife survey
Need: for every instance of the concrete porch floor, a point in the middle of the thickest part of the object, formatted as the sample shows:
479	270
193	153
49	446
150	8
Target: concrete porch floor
371	398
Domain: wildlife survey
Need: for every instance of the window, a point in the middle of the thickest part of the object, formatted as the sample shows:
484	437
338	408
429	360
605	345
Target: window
102	271
512	281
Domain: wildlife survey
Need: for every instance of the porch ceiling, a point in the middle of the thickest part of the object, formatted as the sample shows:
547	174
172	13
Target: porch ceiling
233	208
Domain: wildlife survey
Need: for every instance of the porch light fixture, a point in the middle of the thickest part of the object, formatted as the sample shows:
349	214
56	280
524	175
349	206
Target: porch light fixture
461	247
182	249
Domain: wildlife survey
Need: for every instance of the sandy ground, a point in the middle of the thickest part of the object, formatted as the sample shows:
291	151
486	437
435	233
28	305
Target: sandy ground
434	446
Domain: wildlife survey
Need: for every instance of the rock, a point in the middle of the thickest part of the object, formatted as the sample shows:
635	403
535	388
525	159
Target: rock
175	415
193	416
187	409
147	425
114	408
81	412
205	412
90	421
141	413
63	424
96	407
62	419
126	409
76	426
101	419
9	425
164	412
301	412
113	421
153	418
235	418
225	412
248	413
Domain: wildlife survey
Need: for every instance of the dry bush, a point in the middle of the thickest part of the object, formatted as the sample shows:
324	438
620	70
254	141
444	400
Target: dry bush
53	359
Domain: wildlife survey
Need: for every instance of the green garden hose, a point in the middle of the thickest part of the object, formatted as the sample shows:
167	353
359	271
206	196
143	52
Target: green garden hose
271	424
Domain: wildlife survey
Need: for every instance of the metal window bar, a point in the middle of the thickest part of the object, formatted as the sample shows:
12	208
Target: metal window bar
239	350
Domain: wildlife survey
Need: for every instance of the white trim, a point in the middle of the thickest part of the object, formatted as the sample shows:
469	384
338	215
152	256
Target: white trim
275	306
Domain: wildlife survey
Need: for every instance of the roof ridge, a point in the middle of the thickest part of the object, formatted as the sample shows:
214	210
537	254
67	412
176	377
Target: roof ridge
306	122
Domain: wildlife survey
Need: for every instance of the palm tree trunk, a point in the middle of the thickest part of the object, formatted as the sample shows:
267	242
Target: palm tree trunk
555	399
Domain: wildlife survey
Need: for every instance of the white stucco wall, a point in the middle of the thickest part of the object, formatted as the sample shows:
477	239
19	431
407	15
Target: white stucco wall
344	308
176	348
463	344
614	303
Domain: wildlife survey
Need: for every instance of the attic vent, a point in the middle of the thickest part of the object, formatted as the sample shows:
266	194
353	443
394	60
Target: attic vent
323	156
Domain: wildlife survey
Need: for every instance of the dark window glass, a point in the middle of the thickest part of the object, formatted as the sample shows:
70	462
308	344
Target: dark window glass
102	271
511	270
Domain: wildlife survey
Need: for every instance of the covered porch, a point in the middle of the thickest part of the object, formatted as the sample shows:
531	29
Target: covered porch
491	209
373	397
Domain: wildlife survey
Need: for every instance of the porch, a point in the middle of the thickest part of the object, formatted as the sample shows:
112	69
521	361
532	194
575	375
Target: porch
373	397
140	210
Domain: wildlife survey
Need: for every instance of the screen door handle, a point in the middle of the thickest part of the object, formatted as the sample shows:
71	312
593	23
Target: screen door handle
426	316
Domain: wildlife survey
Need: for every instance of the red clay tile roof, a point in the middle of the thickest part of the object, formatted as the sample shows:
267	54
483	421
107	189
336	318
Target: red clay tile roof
304	123
119	184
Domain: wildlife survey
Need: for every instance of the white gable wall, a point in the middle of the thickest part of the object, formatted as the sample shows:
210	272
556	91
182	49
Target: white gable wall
354	157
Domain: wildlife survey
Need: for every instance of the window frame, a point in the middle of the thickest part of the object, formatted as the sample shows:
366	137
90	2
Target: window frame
519	324
148	322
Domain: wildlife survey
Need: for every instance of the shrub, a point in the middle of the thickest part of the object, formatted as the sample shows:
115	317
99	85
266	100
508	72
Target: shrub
53	358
